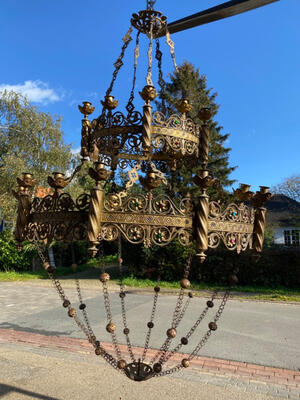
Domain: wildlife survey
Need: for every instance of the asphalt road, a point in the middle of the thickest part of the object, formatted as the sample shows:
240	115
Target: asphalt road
260	333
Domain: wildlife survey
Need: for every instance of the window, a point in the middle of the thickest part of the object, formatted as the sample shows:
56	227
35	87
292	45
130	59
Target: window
292	238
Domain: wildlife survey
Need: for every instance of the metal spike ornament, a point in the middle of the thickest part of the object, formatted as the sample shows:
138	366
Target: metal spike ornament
143	144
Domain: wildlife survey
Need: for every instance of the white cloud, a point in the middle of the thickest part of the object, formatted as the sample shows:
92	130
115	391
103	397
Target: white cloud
36	91
76	151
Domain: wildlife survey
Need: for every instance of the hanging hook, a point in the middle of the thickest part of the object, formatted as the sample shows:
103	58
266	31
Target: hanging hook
150	4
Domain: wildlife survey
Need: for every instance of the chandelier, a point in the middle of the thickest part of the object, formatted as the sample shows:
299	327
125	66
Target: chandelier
148	146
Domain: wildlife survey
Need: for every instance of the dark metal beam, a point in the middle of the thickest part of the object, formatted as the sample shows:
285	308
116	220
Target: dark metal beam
221	11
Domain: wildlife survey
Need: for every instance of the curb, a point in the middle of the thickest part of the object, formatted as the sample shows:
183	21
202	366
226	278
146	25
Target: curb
250	372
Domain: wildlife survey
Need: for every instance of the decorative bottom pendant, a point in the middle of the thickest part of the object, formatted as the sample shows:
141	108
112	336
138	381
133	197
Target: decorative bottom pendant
138	371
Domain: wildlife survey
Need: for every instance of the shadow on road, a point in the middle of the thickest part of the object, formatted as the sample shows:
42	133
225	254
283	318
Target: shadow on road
16	327
6	389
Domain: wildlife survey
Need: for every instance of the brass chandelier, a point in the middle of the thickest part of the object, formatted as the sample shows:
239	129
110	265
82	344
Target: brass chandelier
146	145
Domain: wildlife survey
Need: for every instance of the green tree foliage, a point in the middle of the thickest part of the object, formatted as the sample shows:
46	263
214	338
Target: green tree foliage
30	141
187	82
10	258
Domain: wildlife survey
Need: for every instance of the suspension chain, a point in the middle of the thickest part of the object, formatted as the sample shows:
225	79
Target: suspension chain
150	4
150	325
149	74
119	63
161	82
122	297
87	331
171	45
130	106
175	319
202	341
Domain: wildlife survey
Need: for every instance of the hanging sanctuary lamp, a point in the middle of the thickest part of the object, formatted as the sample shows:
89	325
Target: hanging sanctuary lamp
147	145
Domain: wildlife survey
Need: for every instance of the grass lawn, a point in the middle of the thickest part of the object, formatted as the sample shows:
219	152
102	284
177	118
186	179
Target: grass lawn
279	293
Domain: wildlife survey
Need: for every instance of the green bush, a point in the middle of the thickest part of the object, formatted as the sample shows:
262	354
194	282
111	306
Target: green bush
275	266
10	258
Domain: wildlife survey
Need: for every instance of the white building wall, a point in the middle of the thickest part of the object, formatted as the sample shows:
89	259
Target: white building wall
279	234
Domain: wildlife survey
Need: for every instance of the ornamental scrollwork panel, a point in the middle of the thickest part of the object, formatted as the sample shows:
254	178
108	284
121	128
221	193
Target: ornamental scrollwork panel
146	234
231	240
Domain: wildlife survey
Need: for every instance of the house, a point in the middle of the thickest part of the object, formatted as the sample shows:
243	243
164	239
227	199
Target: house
283	218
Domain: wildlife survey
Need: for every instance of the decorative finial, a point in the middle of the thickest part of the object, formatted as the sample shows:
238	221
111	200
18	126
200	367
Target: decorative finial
184	106
86	109
110	103
148	93
58	182
243	193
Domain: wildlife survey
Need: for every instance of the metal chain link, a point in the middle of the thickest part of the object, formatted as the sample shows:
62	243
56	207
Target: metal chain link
150	4
149	74
84	312
192	330
91	337
171	45
208	333
122	297
161	82
148	336
176	316
130	106
119	63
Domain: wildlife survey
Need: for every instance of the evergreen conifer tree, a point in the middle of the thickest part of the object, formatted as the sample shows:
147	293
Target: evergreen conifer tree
187	82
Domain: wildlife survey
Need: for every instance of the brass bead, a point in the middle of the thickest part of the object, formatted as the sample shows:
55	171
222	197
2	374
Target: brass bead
184	340
104	277
51	269
66	303
150	324
185	283
98	351
121	364
122	295
72	312
46	265
156	289
157	368
171	333
233	279
210	304
111	327
212	326
185	363
191	295
205	114
82	306
126	331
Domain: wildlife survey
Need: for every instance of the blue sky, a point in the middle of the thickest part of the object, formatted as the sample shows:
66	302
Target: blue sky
61	53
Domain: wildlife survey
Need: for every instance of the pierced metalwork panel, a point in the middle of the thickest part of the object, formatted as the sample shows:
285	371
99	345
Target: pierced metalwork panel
148	235
67	230
147	219
232	226
233	212
63	202
177	122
